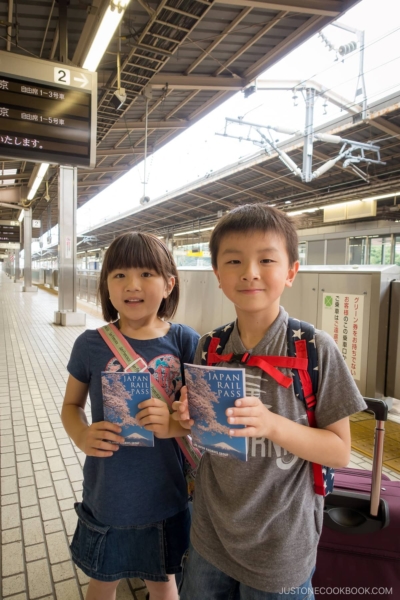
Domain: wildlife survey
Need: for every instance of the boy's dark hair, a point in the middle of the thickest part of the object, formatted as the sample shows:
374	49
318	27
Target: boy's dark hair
138	250
256	217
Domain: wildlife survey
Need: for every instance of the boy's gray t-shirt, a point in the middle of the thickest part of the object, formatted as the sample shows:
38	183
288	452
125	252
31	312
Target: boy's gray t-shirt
259	521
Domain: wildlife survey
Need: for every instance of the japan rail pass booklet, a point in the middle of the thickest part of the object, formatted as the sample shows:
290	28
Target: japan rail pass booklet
211	390
122	392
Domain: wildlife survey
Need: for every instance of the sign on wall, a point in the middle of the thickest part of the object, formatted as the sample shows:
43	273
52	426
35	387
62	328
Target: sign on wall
342	318
48	113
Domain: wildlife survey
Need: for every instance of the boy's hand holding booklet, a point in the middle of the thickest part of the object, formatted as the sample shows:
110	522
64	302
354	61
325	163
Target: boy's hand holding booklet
122	392
211	391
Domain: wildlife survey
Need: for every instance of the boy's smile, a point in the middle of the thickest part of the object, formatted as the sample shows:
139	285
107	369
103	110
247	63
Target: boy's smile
253	270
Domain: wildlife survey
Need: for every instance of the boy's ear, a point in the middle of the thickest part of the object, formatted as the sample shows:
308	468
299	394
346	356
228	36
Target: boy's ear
216	275
292	272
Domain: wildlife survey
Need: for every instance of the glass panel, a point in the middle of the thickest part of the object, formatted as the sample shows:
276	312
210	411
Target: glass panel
397	250
379	250
357	247
192	255
303	253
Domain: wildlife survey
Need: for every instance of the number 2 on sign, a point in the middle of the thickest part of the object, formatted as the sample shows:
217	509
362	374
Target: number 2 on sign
62	75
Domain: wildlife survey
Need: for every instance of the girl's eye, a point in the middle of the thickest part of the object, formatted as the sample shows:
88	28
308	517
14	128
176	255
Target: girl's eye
119	276
146	274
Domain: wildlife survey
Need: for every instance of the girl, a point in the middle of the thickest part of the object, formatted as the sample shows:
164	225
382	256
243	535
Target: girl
133	520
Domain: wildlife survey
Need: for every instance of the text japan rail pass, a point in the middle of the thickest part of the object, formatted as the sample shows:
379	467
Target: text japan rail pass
211	390
122	392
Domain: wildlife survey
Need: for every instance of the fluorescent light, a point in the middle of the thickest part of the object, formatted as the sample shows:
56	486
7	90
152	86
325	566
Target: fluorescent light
300	212
21	216
8	172
193	231
38	180
381	197
106	30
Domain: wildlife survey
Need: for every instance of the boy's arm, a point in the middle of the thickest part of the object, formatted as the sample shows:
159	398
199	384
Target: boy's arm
329	446
95	439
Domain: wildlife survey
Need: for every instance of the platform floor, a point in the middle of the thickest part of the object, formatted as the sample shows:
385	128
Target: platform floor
41	469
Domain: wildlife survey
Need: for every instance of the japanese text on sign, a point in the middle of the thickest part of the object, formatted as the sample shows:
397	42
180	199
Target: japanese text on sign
342	316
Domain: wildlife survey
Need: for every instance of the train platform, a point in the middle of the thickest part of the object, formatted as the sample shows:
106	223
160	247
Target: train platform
41	468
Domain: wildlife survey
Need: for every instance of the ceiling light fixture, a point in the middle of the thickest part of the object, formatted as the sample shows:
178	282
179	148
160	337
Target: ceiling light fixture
21	216
106	30
41	173
193	231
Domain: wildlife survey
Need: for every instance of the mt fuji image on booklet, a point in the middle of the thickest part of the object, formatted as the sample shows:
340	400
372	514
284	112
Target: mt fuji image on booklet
122	392
211	391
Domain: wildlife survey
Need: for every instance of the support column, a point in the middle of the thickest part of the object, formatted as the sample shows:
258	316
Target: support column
16	263
67	202
28	287
308	135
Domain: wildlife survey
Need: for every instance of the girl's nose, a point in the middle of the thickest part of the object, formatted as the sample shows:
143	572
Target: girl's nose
132	283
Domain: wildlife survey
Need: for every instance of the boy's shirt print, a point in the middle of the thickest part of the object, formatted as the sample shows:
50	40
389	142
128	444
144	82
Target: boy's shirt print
165	369
262	447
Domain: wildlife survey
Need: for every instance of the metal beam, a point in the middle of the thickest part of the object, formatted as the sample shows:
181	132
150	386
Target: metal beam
119	151
327	8
241	190
290	42
197	82
120	169
251	42
284	179
386	126
210	199
218	40
123	126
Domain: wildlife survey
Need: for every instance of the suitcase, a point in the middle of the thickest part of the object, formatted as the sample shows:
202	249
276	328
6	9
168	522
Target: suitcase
359	550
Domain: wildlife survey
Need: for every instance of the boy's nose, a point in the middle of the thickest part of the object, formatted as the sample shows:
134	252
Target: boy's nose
251	272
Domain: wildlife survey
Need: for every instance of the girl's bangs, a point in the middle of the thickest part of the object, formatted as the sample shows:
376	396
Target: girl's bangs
135	251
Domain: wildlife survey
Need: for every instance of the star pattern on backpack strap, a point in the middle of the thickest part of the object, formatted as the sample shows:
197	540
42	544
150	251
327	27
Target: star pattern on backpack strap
298	333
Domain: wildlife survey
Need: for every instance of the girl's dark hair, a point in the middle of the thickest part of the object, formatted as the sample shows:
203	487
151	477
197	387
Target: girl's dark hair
140	251
256	217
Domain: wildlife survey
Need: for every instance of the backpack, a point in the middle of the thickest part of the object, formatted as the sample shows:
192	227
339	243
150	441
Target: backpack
302	359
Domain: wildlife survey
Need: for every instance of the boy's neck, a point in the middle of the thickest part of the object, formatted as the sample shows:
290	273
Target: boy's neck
253	326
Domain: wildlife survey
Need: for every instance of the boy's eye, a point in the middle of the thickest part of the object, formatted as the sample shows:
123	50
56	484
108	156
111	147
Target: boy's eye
267	260
233	262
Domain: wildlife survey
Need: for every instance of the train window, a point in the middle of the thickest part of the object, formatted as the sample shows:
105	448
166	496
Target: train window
357	250
379	250
303	253
397	250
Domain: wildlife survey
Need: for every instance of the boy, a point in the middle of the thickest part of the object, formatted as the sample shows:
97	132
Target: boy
256	524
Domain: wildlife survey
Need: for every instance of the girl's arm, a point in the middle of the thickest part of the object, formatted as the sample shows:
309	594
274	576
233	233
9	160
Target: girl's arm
154	416
95	439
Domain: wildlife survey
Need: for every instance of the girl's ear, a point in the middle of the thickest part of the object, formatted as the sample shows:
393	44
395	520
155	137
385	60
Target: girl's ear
169	286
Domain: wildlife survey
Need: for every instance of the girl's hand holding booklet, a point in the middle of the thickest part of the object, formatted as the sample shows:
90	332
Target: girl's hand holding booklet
211	391
122	392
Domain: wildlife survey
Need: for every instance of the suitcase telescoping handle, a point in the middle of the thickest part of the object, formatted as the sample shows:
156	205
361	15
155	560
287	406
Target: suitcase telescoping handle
354	513
380	410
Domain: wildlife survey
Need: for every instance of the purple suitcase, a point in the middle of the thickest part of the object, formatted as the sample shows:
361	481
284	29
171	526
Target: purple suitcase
359	552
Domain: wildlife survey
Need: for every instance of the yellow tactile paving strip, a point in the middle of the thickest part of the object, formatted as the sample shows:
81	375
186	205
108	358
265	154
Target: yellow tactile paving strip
362	428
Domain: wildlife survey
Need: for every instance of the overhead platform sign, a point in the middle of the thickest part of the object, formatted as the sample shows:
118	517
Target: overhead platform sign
48	111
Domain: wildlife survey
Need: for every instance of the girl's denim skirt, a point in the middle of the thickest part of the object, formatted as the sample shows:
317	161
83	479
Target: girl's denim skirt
149	552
